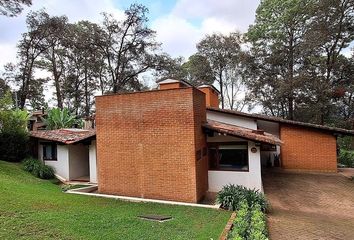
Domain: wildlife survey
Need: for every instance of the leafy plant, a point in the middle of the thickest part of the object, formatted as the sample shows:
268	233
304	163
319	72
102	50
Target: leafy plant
346	158
258	227
250	223
231	196
241	222
38	168
58	118
254	197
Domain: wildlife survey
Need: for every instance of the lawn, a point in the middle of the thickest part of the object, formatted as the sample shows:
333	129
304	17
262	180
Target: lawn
31	208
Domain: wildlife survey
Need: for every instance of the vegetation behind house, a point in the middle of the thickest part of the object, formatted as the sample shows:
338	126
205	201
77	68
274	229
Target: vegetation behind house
13	130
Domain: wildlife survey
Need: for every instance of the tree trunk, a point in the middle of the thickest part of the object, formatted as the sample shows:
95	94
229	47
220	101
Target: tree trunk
27	75
87	102
221	89
291	77
56	76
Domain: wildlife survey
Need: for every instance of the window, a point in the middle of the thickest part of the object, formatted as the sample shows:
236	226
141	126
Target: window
229	157
49	151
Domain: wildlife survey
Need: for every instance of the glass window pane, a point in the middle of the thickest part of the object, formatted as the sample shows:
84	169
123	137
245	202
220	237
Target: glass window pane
49	151
229	157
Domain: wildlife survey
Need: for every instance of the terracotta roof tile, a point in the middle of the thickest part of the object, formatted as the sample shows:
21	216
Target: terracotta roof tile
246	133
66	136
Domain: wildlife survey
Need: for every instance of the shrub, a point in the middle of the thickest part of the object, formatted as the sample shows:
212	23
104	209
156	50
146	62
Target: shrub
30	164
13	146
258	227
250	223
346	158
13	131
38	168
231	196
254	197
241	223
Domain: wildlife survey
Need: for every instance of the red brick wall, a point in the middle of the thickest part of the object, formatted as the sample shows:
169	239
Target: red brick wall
307	149
211	96
200	144
146	144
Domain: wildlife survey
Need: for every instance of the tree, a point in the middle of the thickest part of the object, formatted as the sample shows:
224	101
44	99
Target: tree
169	67
30	48
52	56
12	8
129	48
330	31
197	70
3	87
222	51
13	130
295	49
235	89
85	64
277	39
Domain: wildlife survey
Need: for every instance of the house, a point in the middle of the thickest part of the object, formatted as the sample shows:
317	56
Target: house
71	152
174	143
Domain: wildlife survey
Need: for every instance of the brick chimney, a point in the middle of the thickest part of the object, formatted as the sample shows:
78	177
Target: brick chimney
211	95
172	84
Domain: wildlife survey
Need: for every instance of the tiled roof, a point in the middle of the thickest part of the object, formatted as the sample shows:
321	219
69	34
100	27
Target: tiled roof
66	136
281	120
246	133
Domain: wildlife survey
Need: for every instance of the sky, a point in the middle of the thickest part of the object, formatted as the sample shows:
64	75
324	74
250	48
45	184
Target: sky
179	24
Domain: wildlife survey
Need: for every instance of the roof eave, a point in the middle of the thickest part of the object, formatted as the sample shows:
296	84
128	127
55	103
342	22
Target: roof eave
279	143
285	121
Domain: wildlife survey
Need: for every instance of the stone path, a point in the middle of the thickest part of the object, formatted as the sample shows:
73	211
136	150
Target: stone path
309	206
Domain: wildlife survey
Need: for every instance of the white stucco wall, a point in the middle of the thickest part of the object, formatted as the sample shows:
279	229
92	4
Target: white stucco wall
251	179
78	161
61	165
231	119
93	162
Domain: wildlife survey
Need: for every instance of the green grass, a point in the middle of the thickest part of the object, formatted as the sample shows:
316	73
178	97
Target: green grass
31	208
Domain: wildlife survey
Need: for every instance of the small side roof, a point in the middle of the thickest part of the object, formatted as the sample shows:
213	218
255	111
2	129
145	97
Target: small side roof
281	120
246	133
66	136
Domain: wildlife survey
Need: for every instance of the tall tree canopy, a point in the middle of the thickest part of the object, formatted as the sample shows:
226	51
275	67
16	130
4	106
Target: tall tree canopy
83	58
129	48
295	47
196	70
223	53
12	8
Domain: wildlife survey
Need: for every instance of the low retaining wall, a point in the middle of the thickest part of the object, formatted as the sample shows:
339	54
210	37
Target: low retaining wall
88	191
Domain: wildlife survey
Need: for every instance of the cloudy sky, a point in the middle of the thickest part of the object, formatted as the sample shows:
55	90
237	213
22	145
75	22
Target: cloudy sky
179	24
